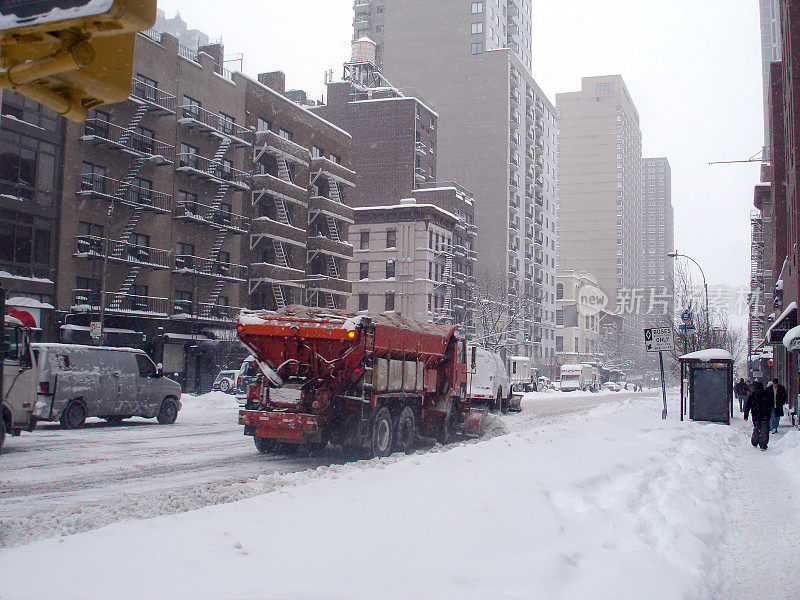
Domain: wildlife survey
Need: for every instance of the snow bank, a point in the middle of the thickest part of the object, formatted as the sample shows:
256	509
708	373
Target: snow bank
209	401
615	503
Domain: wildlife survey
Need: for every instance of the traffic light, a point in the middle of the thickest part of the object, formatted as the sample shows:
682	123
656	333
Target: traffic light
71	55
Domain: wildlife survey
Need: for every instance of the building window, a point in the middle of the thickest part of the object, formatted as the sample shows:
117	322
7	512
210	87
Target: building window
559	318
477	8
559	291
263	124
318	152
559	343
363	301
391	238
363	270
389	302
390	269
190	107
287	135
477	27
364	241
477	48
93	177
226	123
188	156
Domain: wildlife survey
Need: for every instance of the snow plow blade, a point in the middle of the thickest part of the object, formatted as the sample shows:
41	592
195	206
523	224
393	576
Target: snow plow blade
281	425
475	425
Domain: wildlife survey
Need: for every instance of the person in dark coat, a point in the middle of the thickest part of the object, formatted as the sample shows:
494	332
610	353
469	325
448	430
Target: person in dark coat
758	404
740	391
778	397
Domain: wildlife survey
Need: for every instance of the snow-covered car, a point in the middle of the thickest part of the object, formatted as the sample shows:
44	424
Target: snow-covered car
226	382
246	375
612	386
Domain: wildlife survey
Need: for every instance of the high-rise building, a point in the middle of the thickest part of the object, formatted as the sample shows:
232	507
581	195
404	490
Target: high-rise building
770	52
600	194
658	237
497	136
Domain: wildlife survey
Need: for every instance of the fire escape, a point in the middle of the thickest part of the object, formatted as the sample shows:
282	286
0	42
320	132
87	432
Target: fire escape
757	283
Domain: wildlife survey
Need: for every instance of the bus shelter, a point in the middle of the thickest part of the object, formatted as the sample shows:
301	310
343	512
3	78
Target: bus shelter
707	385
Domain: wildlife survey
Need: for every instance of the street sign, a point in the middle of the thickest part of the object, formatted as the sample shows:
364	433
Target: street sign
658	339
95	329
686	326
686	316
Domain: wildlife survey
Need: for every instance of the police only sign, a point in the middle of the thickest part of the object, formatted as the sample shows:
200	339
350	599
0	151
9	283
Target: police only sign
658	339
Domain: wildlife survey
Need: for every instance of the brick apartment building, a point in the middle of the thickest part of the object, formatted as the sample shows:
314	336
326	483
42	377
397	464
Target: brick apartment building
206	192
782	238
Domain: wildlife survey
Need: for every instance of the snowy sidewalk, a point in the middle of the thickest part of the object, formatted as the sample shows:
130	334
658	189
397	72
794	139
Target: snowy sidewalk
616	504
759	556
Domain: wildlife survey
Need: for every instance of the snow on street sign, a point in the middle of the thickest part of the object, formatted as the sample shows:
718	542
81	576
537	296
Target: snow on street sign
658	339
95	329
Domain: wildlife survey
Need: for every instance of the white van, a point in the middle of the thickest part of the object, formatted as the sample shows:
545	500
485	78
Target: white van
487	379
76	382
19	380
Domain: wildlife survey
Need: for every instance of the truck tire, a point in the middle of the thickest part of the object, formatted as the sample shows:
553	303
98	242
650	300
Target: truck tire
504	404
73	416
498	401
381	433
406	430
168	412
264	445
449	426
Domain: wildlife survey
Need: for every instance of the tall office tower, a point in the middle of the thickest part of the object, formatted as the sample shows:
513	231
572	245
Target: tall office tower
497	135
770	52
658	231
600	210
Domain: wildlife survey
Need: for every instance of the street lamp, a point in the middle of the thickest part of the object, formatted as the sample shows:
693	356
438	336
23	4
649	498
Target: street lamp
676	254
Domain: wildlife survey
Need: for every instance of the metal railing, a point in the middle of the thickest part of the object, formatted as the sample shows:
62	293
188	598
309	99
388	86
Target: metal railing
125	138
212	121
188	263
153	95
215	217
94	246
206	166
135	195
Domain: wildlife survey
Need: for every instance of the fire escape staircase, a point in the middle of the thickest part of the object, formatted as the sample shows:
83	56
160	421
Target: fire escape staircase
135	121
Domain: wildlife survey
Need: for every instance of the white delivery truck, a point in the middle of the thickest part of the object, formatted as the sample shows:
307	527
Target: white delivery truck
519	373
487	380
577	377
18	384
76	382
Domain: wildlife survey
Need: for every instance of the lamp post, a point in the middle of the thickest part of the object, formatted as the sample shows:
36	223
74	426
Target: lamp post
676	254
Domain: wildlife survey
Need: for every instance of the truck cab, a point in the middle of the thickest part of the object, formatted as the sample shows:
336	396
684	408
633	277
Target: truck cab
18	379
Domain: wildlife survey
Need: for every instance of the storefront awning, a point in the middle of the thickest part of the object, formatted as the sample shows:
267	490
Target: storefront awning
791	340
786	320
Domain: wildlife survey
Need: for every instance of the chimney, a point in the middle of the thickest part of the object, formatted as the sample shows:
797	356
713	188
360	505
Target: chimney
275	80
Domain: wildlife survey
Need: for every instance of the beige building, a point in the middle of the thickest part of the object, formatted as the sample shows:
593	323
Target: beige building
497	136
658	239
415	258
577	326
600	218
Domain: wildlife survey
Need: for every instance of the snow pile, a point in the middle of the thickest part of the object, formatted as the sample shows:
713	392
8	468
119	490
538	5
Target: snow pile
615	503
209	401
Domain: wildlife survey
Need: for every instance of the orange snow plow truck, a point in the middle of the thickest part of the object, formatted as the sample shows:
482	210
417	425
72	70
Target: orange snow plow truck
376	382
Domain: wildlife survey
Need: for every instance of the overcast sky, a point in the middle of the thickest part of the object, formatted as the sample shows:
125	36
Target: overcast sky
693	68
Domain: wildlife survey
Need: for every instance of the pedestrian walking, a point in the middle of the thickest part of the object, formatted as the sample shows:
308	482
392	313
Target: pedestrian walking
778	397
740	391
758	404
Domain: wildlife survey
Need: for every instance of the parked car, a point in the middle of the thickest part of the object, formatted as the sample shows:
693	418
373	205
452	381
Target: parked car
76	382
246	375
226	381
612	386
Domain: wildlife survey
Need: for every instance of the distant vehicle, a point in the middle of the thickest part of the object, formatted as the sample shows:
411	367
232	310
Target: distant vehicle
611	386
226	381
246	375
544	383
577	377
519	373
77	382
18	379
488	380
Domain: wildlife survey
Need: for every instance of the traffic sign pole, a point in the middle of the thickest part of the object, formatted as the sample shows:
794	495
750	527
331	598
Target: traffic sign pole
663	385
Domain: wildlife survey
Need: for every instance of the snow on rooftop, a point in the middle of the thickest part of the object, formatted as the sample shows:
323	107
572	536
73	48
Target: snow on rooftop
406	205
25	302
711	354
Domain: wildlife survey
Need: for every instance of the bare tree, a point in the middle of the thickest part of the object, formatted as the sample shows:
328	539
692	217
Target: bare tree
501	311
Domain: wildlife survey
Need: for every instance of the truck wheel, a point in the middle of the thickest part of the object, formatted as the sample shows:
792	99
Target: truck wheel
498	401
450	424
168	413
406	430
74	416
504	402
264	445
382	433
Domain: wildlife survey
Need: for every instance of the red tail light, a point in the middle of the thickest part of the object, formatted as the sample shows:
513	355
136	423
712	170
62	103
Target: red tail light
238	382
44	387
